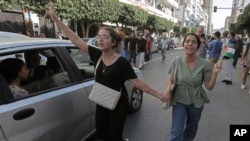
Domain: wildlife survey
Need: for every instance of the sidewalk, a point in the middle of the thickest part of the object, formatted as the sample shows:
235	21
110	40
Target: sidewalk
228	105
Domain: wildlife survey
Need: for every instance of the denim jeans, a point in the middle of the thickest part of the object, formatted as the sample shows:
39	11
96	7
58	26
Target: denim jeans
163	53
185	120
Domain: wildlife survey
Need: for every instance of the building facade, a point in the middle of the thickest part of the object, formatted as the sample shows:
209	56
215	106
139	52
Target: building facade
191	13
163	8
207	6
238	8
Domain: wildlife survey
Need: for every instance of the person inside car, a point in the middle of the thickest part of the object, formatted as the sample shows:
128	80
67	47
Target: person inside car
58	75
112	72
15	71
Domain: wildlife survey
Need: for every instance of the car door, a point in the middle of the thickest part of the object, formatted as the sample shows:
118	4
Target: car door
60	112
80	61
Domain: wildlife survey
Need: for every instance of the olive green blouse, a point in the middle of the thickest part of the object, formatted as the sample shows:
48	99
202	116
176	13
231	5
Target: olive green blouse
189	82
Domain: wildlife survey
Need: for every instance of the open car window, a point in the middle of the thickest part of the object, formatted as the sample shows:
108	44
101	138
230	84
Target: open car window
83	63
45	72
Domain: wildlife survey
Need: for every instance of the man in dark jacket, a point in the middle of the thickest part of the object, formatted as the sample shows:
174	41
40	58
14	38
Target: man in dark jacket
238	50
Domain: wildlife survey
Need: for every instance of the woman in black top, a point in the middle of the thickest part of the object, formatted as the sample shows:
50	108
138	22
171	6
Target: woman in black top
112	72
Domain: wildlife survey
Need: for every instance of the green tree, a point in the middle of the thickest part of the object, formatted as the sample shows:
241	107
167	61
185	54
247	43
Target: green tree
7	4
156	23
225	33
184	31
86	12
151	21
140	17
177	31
126	14
192	30
232	27
243	20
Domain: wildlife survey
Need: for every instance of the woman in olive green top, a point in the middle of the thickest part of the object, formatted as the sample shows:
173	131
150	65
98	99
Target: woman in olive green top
189	96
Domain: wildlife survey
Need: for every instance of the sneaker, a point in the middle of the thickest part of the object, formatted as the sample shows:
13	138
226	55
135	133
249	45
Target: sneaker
125	139
225	80
228	82
242	86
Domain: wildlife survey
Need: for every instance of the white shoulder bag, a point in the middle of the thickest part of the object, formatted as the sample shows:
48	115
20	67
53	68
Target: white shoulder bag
103	95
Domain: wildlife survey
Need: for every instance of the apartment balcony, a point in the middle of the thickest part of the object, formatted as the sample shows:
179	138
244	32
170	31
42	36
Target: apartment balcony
188	7
132	2
171	3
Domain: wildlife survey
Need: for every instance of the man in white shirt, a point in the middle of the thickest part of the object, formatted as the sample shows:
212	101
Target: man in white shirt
164	46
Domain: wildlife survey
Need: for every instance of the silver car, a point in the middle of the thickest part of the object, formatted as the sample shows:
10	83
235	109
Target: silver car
57	107
4	34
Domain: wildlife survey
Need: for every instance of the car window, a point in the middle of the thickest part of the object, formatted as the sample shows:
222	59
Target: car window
41	70
83	62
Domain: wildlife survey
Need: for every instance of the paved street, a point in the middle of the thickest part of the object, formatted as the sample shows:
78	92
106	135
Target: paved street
228	105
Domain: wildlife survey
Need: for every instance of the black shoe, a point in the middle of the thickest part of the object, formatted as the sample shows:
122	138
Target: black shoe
225	80
229	82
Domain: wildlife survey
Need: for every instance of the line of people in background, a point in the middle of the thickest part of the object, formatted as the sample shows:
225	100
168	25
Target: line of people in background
140	45
232	50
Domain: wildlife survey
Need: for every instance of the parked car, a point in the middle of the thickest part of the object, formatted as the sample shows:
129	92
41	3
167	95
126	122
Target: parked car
171	44
57	107
4	34
90	41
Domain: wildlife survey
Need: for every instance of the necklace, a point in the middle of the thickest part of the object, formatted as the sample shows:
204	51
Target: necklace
103	68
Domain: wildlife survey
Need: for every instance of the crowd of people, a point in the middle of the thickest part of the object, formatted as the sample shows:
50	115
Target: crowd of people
229	51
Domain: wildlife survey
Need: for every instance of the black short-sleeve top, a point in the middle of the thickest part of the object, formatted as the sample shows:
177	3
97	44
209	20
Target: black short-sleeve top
112	76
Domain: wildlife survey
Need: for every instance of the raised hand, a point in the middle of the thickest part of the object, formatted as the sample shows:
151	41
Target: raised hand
50	11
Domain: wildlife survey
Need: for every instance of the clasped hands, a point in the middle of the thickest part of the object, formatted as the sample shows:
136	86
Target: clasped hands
165	96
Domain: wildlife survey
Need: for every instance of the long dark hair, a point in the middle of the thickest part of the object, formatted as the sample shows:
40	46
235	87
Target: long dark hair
10	68
196	36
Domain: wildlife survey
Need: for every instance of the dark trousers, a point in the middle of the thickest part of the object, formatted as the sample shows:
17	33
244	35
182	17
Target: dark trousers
236	56
110	123
132	56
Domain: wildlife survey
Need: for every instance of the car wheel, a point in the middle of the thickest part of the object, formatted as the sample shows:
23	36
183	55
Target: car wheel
135	100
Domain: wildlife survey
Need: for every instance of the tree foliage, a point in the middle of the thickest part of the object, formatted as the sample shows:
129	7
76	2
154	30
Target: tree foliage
243	21
184	31
177	31
7	4
90	12
126	14
225	33
86	12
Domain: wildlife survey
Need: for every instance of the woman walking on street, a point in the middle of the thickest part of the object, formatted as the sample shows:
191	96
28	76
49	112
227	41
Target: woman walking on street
246	65
189	97
112	72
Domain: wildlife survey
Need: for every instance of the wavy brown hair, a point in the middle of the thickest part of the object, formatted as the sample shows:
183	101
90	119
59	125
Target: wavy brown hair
116	36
